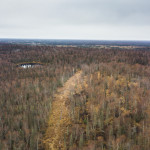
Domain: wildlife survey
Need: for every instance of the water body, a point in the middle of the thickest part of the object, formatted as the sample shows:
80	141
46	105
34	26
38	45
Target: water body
26	66
29	65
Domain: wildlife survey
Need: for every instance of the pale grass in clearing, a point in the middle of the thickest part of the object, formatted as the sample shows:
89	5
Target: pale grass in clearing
59	117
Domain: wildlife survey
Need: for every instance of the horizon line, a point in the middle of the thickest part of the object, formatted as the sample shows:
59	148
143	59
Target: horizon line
142	40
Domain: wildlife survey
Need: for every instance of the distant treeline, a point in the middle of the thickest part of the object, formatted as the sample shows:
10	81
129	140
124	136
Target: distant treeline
76	55
73	42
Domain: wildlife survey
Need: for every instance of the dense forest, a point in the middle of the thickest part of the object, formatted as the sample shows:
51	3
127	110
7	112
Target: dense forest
108	110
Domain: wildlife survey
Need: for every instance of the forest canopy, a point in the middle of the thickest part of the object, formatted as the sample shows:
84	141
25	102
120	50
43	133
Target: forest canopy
109	108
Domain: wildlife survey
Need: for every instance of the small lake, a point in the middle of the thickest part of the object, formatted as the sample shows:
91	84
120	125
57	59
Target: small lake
29	65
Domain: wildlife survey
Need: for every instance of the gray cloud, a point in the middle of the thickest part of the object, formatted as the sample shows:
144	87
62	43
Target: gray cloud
88	19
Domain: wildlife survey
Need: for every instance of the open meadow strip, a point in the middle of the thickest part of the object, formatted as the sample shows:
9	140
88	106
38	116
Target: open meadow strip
59	116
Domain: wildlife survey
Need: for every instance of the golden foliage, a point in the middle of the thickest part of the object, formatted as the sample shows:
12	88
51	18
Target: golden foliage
59	117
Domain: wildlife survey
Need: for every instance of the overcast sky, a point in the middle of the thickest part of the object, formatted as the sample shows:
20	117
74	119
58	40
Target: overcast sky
75	19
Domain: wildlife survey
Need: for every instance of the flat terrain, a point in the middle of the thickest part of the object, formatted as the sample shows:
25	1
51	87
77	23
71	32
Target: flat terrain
105	105
59	116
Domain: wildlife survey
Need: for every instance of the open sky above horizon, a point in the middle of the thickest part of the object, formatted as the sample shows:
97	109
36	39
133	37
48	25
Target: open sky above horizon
75	19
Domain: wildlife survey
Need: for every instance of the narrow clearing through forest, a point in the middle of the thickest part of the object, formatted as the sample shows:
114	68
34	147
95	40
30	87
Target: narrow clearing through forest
59	116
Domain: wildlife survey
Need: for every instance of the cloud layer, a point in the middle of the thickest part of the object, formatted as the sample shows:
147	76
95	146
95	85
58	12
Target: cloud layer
75	19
